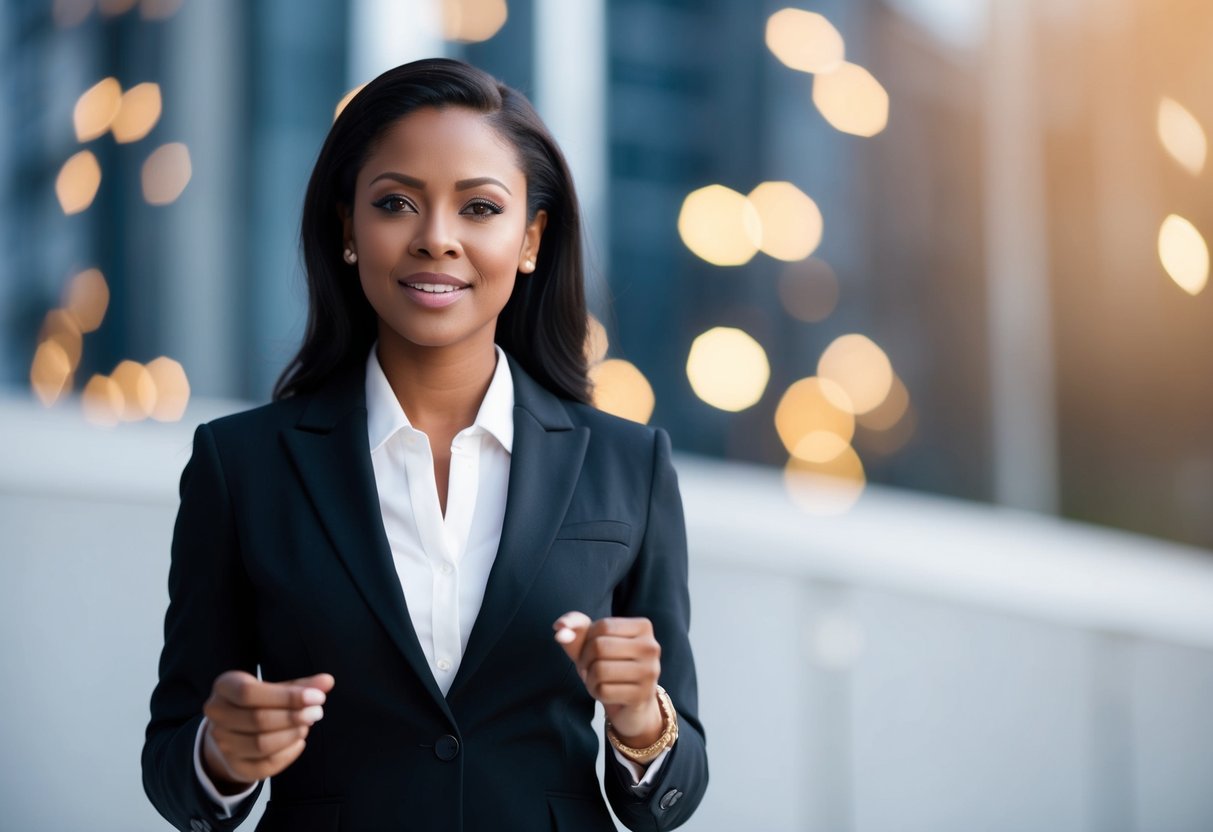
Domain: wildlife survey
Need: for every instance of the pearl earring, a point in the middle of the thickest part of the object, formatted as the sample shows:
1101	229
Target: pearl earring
528	266
350	256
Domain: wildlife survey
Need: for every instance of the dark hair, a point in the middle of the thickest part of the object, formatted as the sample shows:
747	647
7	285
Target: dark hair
543	324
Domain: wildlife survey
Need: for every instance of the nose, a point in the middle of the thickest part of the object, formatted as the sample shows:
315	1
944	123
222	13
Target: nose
434	239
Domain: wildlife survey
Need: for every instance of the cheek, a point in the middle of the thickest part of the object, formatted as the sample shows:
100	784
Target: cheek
380	242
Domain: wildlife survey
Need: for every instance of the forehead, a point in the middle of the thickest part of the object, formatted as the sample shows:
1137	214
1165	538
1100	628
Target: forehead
443	145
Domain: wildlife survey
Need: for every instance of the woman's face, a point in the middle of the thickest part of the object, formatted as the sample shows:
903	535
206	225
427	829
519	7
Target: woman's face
440	229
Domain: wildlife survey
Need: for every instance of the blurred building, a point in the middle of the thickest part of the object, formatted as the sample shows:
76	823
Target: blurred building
997	240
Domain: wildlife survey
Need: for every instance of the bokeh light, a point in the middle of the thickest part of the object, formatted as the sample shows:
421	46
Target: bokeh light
166	173
888	413
622	390
172	389
77	183
596	342
814	419
804	40
96	108
346	99
791	221
720	226
138	113
856	364
86	299
728	369
61	327
51	372
159	9
68	13
113	8
102	401
472	21
825	488
808	290
1182	136
851	100
1184	254
890	440
138	390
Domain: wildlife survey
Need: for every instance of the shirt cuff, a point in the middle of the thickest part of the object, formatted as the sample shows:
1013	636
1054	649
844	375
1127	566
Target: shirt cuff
227	802
642	776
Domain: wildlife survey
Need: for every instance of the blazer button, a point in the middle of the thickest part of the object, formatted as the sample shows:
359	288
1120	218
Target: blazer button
669	799
446	748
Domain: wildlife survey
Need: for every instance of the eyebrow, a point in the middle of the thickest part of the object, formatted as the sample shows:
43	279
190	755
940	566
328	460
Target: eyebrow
461	185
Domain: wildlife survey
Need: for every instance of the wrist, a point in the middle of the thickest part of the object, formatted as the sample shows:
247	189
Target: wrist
668	736
641	726
216	770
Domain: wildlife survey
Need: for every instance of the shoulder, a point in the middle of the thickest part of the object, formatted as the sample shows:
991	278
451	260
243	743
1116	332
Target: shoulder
341	396
609	427
260	421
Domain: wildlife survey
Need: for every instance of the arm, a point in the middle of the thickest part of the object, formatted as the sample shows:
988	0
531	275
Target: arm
207	631
656	588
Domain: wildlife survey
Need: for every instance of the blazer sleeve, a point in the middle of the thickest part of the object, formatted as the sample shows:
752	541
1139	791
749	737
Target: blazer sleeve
208	629
656	588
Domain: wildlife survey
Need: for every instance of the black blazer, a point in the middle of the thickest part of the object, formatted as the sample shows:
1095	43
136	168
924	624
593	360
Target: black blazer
280	560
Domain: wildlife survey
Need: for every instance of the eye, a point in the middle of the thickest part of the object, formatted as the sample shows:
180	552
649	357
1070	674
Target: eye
393	204
482	208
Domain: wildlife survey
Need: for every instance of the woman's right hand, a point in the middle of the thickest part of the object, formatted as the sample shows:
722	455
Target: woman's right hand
256	729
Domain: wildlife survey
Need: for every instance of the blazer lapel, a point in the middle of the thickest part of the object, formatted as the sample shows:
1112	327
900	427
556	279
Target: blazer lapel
331	452
544	466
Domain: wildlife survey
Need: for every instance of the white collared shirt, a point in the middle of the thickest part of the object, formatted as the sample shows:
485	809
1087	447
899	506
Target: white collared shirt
443	562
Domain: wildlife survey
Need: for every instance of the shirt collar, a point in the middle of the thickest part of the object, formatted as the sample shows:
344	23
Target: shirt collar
385	416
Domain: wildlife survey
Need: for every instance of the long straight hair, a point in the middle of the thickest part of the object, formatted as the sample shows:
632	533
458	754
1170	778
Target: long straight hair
543	324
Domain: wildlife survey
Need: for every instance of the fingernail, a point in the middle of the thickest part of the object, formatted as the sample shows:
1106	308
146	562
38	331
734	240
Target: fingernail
313	696
313	714
565	636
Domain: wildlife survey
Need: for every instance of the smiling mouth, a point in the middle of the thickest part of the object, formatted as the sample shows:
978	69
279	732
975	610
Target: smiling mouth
435	288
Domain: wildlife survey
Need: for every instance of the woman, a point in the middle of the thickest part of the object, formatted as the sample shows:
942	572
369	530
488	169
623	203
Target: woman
437	553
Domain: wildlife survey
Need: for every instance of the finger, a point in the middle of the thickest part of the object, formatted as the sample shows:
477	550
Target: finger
641	649
623	627
247	691
613	671
252	748
322	681
258	720
571	631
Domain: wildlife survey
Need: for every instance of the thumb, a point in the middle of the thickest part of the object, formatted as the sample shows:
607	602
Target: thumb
321	681
571	630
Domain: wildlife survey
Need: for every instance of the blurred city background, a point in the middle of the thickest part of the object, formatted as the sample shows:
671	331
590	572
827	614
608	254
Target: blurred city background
916	286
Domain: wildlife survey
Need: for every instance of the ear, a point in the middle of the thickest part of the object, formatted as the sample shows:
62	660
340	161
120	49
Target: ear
529	255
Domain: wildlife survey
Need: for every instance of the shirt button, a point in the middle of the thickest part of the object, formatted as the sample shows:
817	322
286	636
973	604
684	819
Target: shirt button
444	664
446	569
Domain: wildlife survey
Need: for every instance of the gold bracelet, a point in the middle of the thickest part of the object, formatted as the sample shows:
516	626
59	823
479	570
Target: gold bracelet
643	755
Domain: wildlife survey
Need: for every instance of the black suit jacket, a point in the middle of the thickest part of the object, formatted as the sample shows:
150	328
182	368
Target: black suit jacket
280	560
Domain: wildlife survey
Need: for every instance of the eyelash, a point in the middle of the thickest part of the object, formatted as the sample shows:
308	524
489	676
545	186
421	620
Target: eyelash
493	207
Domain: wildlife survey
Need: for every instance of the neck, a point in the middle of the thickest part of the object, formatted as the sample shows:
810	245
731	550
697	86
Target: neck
437	387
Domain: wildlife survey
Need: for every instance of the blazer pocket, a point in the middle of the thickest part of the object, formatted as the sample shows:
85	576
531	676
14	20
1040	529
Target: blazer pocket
609	531
577	813
301	816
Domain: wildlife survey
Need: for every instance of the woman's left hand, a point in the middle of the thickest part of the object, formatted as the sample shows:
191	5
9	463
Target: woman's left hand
619	661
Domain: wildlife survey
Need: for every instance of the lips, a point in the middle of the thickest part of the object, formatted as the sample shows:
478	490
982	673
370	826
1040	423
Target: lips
433	282
433	290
